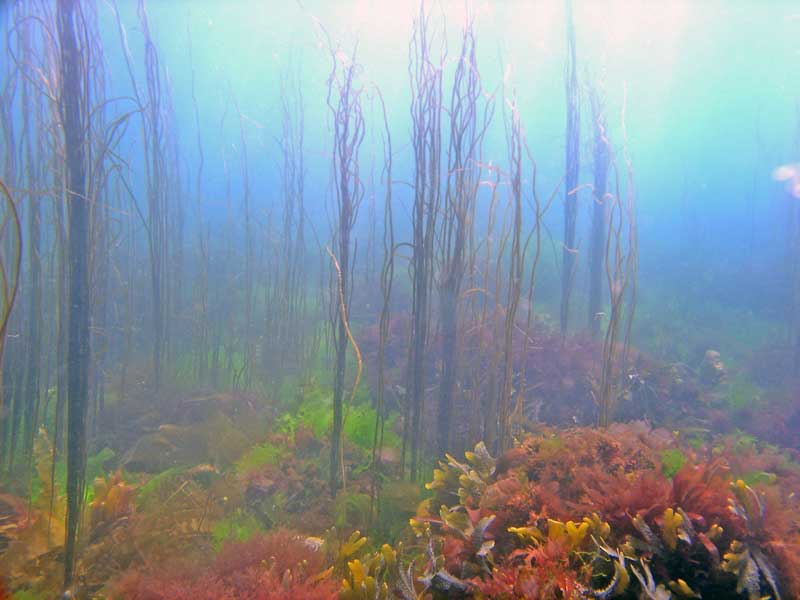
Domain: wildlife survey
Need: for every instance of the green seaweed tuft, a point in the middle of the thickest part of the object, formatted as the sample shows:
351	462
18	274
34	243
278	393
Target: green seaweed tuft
260	456
239	526
672	459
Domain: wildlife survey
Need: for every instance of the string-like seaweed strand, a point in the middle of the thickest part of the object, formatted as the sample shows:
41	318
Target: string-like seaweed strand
343	310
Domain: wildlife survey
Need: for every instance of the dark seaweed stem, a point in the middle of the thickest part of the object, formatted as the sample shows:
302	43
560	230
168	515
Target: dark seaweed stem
486	404
621	261
597	244
176	195
795	267
152	220
21	170
129	262
50	78
631	259
103	166
90	163
200	293
426	123
503	294
292	344
344	102
243	376
518	149
467	127
9	175
73	98
10	265
794	257
570	252
539	210
515	276
370	260
33	172
156	176
386	282
226	342
359	362
155	169
220	311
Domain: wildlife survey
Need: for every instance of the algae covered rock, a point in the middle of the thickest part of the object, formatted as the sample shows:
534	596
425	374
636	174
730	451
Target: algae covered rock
155	452
217	441
712	369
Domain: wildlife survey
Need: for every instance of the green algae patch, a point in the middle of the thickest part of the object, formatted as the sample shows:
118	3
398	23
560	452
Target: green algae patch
239	526
260	456
672	459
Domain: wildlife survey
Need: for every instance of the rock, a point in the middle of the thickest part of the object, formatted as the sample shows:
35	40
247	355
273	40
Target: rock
161	450
198	409
712	369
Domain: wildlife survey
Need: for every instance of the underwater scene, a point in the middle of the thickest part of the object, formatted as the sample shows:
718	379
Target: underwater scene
410	300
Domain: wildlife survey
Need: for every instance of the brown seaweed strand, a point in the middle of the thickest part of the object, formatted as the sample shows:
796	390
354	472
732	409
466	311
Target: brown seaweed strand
387	280
343	310
8	292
